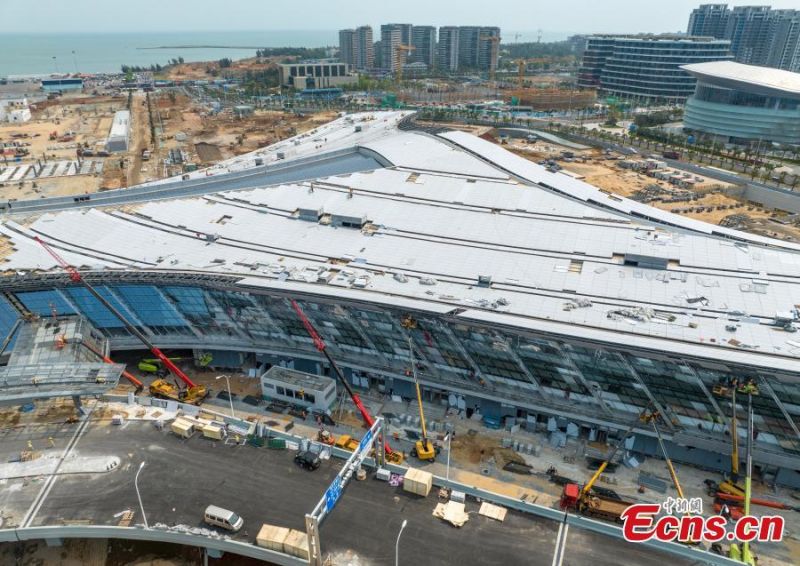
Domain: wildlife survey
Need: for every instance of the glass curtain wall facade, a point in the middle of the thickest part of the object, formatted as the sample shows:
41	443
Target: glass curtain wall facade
737	115
647	68
503	371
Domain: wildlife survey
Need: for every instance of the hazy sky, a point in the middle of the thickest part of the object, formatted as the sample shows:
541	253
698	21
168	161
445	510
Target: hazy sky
580	16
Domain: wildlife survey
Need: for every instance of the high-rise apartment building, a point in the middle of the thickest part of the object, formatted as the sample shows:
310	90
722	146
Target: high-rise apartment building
488	48
347	41
423	38
475	48
392	36
478	47
364	50
447	49
758	34
709	20
356	47
784	49
748	30
468	47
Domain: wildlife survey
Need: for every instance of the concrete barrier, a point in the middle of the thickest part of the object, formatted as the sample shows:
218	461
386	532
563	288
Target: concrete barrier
153	534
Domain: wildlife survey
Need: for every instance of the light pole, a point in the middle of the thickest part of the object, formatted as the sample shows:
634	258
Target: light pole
230	397
449	439
139	495
397	544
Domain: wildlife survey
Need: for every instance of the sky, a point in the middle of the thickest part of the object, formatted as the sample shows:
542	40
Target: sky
576	16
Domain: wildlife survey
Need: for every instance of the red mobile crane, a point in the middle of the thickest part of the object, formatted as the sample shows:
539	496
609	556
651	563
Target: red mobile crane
319	344
126	374
160	388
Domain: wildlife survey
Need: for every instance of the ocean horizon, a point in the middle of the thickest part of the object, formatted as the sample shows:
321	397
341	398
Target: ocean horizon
36	54
47	53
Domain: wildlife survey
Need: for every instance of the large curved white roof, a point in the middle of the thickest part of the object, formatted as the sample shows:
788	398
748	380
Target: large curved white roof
456	224
732	74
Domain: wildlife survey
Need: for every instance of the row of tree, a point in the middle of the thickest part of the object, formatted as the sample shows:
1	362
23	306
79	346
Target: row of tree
302	52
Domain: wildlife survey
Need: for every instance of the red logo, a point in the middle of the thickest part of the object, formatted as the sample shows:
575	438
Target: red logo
642	523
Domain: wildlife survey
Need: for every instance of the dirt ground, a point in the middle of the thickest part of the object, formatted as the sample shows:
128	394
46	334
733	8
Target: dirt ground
186	124
180	121
89	117
714	200
211	69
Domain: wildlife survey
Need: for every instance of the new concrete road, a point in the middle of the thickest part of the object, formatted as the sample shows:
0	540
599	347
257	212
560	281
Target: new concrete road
181	477
324	165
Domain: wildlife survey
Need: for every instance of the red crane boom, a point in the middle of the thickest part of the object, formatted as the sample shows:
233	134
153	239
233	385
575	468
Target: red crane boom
76	277
319	344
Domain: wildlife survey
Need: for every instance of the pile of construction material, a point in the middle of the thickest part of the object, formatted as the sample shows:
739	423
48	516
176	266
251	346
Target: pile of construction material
282	539
453	512
418	482
186	425
640	314
654	192
642	164
735	221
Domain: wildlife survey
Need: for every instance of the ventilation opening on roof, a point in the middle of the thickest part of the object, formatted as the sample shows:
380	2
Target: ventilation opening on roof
412	178
646	262
308	214
345	221
576	266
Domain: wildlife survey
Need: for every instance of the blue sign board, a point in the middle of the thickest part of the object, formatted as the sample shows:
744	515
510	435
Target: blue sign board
365	441
333	493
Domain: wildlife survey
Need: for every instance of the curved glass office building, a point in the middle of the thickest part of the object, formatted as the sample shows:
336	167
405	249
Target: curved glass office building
744	103
534	295
647	67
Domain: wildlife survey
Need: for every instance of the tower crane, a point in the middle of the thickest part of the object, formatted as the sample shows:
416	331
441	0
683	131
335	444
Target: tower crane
522	65
319	344
193	393
399	51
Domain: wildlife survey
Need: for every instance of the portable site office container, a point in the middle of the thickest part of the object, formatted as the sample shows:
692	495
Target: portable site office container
298	388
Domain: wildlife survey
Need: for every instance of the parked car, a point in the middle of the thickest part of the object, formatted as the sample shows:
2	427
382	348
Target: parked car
307	460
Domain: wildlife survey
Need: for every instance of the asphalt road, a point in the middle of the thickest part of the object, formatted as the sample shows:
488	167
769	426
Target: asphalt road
181	477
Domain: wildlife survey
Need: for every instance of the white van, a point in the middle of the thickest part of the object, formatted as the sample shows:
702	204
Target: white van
223	518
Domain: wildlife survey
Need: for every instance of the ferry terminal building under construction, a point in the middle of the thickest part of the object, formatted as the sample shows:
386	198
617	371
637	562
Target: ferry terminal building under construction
532	294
